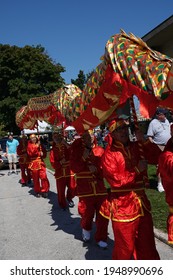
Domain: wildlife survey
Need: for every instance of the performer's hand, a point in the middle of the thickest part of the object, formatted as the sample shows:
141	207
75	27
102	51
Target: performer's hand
62	161
86	153
65	143
142	165
139	135
93	168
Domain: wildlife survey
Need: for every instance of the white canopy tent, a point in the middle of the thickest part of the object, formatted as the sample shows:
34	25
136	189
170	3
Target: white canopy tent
68	128
43	127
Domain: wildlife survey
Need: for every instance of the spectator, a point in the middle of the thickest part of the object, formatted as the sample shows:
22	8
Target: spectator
99	137
90	188
159	133
128	206
11	150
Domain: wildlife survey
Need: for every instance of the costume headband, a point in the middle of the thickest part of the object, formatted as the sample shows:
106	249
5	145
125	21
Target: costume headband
117	123
32	136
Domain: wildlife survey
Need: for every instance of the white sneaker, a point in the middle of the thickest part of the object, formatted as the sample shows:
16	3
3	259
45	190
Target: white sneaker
86	235
102	244
160	187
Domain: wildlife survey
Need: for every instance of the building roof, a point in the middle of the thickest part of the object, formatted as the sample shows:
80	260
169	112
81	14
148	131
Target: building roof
161	37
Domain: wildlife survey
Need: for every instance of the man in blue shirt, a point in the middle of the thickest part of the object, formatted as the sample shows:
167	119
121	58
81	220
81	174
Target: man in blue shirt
11	150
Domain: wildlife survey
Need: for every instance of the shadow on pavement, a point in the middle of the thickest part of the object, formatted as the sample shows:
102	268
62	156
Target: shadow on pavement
63	219
69	223
94	252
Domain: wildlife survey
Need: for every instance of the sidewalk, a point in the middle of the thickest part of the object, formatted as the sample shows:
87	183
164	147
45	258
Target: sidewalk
37	229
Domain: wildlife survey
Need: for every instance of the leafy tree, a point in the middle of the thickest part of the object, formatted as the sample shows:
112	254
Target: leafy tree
25	73
80	81
2	132
89	75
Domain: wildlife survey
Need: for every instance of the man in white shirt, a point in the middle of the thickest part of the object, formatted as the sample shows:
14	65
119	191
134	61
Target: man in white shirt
159	133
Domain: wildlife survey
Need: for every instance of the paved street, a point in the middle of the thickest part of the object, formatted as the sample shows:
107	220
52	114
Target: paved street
37	229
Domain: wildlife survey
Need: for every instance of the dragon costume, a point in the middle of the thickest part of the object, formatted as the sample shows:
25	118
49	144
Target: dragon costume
128	67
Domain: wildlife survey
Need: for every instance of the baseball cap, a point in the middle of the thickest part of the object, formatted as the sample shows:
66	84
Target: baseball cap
160	111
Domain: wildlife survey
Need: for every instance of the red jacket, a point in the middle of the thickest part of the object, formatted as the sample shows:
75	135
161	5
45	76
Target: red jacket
22	151
120	165
166	171
127	196
88	183
60	160
35	159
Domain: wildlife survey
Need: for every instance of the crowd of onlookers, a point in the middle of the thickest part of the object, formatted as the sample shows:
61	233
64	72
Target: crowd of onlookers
99	133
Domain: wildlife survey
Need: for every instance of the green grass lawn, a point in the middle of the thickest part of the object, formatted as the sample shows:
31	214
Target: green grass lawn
159	206
47	162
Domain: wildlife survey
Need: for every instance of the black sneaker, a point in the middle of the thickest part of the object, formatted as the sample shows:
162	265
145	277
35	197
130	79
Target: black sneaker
9	173
37	195
45	194
71	204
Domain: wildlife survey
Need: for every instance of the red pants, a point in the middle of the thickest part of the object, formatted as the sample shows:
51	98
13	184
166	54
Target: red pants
169	199
135	239
61	185
170	228
25	173
40	175
88	207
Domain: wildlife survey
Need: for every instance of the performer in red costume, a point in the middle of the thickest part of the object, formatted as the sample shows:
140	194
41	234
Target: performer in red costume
24	161
59	159
37	153
85	162
128	206
166	172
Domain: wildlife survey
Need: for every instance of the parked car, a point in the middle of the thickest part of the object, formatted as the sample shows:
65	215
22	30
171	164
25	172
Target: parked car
3	157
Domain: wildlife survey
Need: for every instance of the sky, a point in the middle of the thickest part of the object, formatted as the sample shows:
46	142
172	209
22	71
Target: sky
74	33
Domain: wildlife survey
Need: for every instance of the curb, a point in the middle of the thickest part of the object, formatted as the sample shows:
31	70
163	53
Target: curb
50	171
162	236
